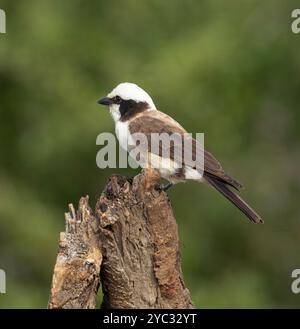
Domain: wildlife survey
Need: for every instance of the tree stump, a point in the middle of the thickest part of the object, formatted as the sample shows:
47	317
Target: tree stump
130	245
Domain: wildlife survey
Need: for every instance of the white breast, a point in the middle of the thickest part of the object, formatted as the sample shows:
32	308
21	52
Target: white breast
123	134
165	166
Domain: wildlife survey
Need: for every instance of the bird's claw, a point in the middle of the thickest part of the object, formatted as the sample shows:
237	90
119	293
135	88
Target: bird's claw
130	179
163	187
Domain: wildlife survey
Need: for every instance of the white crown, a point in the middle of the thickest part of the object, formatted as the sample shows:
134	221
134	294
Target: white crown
127	91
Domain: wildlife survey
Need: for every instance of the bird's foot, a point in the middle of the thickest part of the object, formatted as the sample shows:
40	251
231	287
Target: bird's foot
163	187
130	179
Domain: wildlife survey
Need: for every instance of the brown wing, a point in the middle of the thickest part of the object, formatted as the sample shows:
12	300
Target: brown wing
158	122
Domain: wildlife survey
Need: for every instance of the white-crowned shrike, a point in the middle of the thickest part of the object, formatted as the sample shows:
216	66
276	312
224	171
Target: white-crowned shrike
133	111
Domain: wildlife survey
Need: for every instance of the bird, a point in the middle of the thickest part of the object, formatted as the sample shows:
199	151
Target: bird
133	111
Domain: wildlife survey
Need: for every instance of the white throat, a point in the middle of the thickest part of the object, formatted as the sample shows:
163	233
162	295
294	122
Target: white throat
115	112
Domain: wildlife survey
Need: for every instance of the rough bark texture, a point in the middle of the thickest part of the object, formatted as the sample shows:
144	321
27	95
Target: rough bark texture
76	274
133	237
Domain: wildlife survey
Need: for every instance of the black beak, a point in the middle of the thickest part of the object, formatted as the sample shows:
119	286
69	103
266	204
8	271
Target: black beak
105	101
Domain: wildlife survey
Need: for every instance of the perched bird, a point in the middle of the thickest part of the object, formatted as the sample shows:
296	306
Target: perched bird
133	111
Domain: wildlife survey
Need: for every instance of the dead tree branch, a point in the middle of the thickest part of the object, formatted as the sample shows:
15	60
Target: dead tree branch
131	242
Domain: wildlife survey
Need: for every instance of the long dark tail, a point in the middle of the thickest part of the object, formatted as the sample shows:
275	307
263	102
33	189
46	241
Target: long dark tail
234	198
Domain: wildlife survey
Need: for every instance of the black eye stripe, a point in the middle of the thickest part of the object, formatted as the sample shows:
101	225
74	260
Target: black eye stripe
129	108
117	100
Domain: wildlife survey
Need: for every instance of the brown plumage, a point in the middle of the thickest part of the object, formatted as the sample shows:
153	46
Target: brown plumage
157	122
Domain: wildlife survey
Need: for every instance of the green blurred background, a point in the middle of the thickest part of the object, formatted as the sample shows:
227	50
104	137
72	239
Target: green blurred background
229	69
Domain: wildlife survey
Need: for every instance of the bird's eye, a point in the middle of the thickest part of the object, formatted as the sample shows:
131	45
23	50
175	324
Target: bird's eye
118	99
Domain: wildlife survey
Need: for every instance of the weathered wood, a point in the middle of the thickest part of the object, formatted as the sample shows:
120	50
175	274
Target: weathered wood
136	235
76	274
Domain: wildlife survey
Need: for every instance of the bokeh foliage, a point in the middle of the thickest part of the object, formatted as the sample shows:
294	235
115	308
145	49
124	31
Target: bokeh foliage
229	69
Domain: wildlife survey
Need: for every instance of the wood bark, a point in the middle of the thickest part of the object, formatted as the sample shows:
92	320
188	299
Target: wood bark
130	244
76	274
